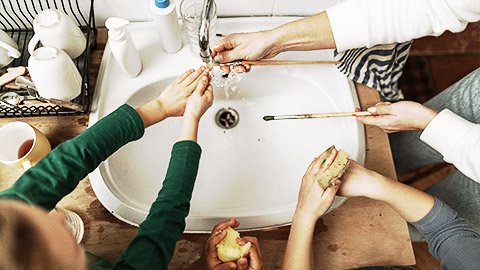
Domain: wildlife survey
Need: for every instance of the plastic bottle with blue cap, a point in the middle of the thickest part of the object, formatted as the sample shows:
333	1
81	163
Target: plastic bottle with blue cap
122	47
166	24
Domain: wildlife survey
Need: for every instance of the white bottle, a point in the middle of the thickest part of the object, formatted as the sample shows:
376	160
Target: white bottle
122	46
166	24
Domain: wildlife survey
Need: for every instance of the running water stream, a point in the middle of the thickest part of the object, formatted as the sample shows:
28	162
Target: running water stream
228	83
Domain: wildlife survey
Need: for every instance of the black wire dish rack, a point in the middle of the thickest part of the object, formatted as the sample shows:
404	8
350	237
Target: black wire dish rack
16	19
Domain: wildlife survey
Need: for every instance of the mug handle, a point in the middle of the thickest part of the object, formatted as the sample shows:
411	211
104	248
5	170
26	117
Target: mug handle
11	50
26	165
33	42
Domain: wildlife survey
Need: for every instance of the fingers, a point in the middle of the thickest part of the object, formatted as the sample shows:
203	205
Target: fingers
332	154
193	76
223	45
330	192
202	85
323	162
228	56
184	75
208	95
242	264
213	241
227	266
226	69
255	254
328	197
240	69
380	108
311	164
233	222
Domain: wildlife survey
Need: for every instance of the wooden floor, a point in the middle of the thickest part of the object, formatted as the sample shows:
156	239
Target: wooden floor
434	64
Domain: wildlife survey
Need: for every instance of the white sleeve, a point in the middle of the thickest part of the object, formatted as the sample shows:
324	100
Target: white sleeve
457	140
366	23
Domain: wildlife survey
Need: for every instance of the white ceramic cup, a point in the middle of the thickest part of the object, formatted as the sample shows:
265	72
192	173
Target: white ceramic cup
56	29
8	49
22	145
54	74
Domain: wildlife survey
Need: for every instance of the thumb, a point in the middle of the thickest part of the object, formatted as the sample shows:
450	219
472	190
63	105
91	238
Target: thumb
329	194
226	266
381	108
228	56
214	240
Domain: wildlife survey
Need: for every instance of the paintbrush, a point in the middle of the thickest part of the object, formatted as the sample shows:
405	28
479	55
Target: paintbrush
274	62
314	115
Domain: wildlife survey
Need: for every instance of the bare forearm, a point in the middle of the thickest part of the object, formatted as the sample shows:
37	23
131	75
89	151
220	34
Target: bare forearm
151	113
298	254
410	203
189	129
311	33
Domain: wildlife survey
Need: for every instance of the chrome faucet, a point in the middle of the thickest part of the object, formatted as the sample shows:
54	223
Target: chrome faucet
204	31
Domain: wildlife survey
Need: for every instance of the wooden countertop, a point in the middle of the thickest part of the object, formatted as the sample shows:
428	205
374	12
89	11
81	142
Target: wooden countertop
362	232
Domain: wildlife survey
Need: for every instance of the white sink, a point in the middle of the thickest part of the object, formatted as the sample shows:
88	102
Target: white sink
252	171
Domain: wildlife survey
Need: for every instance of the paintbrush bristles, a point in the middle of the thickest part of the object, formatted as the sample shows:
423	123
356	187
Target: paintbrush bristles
268	117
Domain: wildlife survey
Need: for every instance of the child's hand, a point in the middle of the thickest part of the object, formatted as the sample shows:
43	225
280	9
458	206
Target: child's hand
360	181
210	260
313	201
173	99
255	257
399	116
200	100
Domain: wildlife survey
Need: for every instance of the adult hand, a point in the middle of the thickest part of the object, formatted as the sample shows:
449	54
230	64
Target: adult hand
399	116
200	100
173	99
244	46
313	200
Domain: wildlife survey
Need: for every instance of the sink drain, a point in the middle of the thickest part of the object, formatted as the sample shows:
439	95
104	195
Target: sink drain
227	118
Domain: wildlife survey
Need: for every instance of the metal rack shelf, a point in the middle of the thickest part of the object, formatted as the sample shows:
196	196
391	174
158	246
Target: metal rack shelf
16	18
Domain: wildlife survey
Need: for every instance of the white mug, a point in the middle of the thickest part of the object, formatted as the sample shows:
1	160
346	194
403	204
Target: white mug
56	29
54	74
22	145
8	49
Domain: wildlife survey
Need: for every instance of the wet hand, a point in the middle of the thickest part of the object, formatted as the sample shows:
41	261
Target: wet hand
244	46
200	100
173	99
399	116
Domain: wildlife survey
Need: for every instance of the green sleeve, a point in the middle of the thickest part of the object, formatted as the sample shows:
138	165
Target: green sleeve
154	244
58	173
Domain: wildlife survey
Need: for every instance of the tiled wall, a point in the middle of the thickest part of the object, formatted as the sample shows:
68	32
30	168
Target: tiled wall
135	10
138	10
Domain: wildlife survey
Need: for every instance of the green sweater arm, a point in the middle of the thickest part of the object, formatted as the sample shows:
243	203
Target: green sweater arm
57	174
154	245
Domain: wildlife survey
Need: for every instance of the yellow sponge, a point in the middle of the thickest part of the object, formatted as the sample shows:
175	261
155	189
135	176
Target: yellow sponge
335	170
229	250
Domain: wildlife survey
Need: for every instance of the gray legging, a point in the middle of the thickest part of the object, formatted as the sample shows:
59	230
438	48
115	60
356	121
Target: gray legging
409	152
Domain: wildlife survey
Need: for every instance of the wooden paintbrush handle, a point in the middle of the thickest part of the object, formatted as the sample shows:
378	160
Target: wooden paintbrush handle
286	62
341	114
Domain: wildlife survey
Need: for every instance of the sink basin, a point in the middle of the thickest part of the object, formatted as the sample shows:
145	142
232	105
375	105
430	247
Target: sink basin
252	171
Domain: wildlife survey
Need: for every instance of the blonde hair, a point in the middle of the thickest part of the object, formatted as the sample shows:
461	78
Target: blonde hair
21	243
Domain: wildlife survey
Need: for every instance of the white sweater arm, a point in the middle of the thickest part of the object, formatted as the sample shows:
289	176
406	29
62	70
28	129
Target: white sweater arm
457	140
366	23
